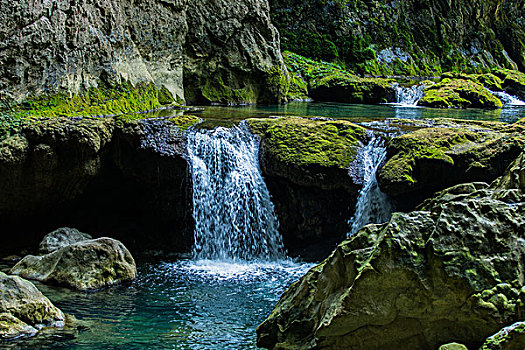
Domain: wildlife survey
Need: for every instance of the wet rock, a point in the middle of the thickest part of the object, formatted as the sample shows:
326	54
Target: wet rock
305	163
431	159
449	271
509	338
61	238
459	93
24	310
86	265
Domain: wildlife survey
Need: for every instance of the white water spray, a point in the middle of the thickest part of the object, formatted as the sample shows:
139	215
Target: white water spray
408	96
507	99
234	216
373	206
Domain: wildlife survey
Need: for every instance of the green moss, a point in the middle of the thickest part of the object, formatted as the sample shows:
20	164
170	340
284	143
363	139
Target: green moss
216	91
165	97
298	88
306	142
185	122
278	82
512	80
346	86
459	93
116	100
424	144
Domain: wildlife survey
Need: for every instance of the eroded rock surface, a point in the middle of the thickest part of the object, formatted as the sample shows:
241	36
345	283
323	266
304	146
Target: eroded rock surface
449	272
24	310
91	264
61	237
68	46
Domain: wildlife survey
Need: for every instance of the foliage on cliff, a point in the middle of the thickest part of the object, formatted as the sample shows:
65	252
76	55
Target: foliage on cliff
384	37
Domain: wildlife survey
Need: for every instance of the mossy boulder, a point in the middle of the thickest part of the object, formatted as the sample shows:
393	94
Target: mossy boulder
85	265
431	159
509	338
301	148
513	81
459	93
24	309
450	272
306	164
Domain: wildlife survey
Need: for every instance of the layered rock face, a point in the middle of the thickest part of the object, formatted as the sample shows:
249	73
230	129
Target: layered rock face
68	46
450	272
126	178
405	37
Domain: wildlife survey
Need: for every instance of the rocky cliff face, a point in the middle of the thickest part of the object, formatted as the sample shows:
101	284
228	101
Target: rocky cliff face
185	46
412	37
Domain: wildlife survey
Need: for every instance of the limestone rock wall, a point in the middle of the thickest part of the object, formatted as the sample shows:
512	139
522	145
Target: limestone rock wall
66	46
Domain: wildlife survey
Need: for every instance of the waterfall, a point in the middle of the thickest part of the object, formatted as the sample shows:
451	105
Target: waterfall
373	206
506	99
234	216
408	96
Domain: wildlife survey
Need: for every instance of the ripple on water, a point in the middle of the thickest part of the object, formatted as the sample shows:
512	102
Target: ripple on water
179	305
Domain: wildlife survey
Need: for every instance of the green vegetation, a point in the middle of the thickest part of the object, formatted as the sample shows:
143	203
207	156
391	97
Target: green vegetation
459	93
120	99
306	142
218	92
330	82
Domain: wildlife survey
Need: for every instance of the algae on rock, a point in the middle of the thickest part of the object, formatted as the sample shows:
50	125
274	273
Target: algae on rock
450	272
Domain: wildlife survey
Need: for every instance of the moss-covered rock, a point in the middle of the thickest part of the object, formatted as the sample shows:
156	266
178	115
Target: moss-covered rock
431	159
306	166
509	338
512	81
122	170
85	265
459	93
450	272
330	82
24	310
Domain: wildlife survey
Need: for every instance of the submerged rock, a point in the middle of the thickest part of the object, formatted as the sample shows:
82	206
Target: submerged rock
450	272
24	310
61	238
86	265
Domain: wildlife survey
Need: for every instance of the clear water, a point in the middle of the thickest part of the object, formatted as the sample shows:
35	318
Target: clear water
234	216
184	304
354	112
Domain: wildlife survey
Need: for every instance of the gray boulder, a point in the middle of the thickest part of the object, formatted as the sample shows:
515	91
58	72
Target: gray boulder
85	265
24	309
60	238
449	272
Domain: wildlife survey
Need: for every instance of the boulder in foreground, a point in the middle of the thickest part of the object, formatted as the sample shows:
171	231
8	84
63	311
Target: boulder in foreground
24	309
85	265
450	272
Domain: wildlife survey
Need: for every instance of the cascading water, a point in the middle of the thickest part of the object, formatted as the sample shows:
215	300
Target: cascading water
234	216
507	99
408	96
373	206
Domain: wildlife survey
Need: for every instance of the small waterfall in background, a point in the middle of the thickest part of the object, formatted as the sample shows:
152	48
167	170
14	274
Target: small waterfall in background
234	216
506	99
373	206
408	96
